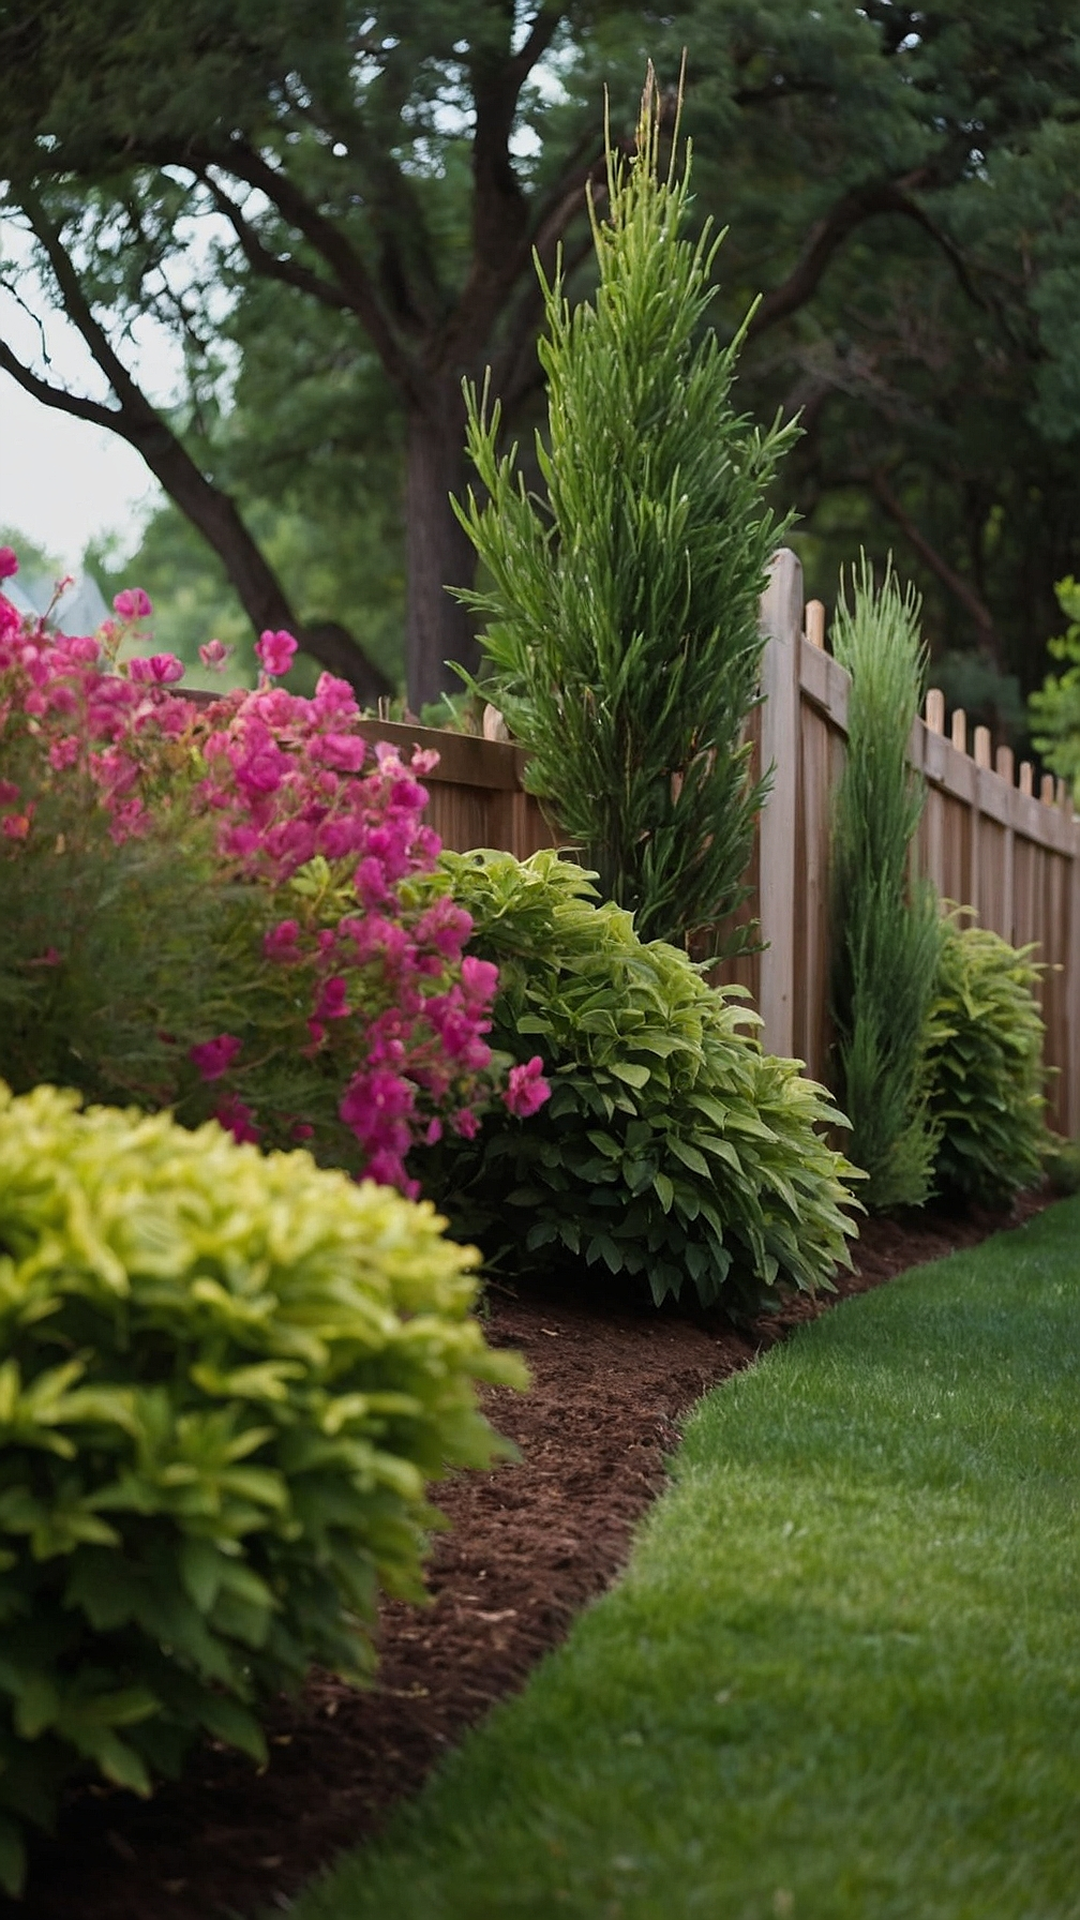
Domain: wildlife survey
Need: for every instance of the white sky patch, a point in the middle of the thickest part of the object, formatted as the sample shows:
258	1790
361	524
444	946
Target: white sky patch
64	481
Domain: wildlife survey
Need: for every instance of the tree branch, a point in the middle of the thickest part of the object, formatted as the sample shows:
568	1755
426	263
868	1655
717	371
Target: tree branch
271	266
211	511
826	238
50	396
961	589
327	240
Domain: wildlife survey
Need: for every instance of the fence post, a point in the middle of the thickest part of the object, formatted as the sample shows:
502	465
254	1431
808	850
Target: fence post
782	624
1071	1062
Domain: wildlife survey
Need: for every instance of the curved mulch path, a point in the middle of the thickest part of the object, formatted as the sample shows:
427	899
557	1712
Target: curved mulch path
530	1545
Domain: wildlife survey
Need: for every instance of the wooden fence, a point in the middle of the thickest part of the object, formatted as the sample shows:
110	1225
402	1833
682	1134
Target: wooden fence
986	840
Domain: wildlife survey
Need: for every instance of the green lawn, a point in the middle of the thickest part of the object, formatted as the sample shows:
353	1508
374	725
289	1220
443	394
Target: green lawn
841	1676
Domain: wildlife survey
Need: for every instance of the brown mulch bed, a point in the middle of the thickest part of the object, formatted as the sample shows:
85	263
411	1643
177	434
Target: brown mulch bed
530	1545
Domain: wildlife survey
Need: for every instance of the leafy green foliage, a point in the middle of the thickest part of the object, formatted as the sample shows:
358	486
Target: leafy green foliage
984	1066
622	634
114	959
225	1379
886	934
672	1148
1055	708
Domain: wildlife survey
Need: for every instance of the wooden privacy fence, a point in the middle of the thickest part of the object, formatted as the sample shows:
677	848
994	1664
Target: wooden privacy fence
986	840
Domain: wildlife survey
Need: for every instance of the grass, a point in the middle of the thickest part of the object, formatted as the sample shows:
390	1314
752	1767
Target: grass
840	1679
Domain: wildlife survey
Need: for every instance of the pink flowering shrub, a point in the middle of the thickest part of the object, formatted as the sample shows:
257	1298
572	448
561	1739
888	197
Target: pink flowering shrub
321	998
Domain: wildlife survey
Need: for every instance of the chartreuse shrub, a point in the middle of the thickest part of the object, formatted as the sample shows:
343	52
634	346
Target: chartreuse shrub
886	931
984	1066
672	1148
224	1382
622	636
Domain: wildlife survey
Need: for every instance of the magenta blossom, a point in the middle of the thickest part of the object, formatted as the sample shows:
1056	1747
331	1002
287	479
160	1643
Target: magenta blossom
133	604
155	669
214	655
526	1088
8	563
275	652
237	1118
214	1057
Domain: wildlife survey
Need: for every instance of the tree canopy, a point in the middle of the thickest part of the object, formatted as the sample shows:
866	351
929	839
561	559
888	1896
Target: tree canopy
334	212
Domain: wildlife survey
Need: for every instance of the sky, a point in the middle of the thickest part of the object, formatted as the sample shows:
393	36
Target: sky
63	481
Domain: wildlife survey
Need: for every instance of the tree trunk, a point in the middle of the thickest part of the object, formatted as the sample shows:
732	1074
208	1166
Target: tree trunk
439	553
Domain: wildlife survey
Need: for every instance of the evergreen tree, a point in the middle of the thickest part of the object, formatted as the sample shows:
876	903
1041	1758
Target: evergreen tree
622	638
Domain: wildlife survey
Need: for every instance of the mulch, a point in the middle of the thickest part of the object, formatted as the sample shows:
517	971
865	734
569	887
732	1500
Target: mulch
530	1544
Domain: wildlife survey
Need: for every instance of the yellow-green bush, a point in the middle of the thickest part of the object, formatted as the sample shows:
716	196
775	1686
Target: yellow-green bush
225	1379
984	1067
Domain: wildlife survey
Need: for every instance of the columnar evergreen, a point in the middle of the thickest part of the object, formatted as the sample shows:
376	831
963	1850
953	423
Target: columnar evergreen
622	610
886	930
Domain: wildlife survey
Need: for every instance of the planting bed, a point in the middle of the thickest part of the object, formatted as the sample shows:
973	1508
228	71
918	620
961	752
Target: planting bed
530	1545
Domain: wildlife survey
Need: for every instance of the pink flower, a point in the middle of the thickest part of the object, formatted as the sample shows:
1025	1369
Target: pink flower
465	1123
8	563
479	978
237	1118
275	651
214	1057
214	655
333	1000
133	604
280	942
343	751
83	649
64	753
333	696
526	1088
155	669
9	793
16	826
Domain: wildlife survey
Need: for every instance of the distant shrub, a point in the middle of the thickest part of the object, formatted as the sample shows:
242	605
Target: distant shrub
1061	1164
672	1149
1055	708
984	1067
225	1379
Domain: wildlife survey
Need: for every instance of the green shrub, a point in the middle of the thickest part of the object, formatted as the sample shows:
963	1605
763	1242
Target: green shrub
984	1067
672	1148
1055	708
885	925
623	638
1061	1164
225	1379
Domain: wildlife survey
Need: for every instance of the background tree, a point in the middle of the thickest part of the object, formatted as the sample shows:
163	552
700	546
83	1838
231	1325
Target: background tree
348	199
